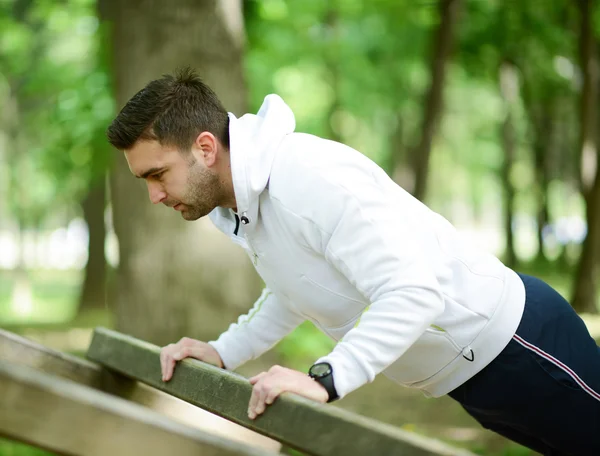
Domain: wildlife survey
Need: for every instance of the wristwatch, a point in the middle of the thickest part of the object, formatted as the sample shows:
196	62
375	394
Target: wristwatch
322	373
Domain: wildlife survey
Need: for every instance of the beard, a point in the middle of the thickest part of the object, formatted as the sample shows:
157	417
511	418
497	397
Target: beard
203	192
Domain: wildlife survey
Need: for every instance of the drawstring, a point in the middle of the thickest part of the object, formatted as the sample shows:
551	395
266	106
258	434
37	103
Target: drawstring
237	225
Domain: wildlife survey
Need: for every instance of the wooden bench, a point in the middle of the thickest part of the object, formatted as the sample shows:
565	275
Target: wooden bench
21	351
69	418
312	428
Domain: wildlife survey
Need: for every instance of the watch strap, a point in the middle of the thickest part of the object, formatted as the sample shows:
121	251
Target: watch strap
326	381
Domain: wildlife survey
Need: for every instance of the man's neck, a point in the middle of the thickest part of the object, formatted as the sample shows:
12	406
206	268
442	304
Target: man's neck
226	181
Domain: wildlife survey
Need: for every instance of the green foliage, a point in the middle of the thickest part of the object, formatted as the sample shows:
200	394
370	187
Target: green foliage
353	70
303	346
358	70
11	448
53	297
347	68
57	88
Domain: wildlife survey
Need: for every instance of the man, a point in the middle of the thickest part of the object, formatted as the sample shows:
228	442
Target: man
339	243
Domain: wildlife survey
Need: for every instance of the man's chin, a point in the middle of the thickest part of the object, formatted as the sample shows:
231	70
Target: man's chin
191	216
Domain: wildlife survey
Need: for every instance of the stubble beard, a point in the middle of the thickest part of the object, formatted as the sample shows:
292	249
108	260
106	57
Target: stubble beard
204	192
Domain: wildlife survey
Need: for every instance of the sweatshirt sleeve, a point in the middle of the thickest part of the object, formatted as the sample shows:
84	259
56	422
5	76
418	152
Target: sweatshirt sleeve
263	326
364	233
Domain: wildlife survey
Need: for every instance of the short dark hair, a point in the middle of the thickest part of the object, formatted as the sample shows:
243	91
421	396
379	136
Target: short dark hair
172	110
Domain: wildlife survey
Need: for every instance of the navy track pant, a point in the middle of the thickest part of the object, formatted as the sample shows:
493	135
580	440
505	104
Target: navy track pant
543	390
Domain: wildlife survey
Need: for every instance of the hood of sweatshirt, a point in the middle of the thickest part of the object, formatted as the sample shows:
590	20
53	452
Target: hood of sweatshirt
253	143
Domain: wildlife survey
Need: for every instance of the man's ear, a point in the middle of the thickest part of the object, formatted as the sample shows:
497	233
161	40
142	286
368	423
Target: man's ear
205	148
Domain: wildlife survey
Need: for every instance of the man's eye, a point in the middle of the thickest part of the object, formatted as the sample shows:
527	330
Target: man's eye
158	175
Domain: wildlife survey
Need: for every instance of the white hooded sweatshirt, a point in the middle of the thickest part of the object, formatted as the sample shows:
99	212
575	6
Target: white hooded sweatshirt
337	242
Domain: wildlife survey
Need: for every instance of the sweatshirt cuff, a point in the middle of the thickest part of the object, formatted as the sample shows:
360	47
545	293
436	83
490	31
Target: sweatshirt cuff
348	374
233	352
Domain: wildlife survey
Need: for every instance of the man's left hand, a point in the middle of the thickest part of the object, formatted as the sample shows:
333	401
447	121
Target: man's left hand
269	385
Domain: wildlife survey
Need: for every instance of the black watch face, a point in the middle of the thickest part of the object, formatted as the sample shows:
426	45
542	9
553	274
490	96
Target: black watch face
320	370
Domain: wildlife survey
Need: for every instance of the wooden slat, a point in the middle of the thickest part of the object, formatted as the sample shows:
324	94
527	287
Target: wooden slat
19	350
70	418
316	429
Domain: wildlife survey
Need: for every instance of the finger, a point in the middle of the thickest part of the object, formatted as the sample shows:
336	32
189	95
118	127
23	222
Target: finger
168	368
188	352
170	361
179	355
260	406
273	394
165	354
253	401
162	364
256	378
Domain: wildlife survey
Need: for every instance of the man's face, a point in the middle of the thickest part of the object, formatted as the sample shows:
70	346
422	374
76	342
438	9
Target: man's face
177	180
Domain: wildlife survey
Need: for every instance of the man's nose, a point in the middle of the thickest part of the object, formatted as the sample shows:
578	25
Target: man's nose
156	193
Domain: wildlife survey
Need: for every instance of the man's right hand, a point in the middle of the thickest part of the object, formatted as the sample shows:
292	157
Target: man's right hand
186	348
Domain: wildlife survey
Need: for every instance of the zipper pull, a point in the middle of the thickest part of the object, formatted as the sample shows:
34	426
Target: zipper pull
255	259
237	225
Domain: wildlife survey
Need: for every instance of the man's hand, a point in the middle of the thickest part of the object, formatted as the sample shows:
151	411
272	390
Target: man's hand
269	385
186	348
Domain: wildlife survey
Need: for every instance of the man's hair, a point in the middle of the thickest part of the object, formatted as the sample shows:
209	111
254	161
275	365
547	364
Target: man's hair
172	110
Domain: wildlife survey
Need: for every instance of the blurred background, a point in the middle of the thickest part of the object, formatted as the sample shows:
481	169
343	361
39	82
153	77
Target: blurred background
487	110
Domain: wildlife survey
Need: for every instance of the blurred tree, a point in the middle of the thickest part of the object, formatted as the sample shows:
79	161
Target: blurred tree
509	88
94	289
25	207
586	280
59	104
544	94
536	38
174	278
490	51
542	137
349	69
546	48
433	104
331	40
510	24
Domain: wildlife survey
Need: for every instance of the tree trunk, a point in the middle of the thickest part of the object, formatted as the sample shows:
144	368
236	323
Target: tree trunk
588	141
22	293
509	90
585	296
564	164
543	151
18	178
585	287
331	27
93	290
394	164
442	47
174	277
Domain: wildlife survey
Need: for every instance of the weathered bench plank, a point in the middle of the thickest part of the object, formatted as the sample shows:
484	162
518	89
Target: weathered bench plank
19	350
70	418
317	429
